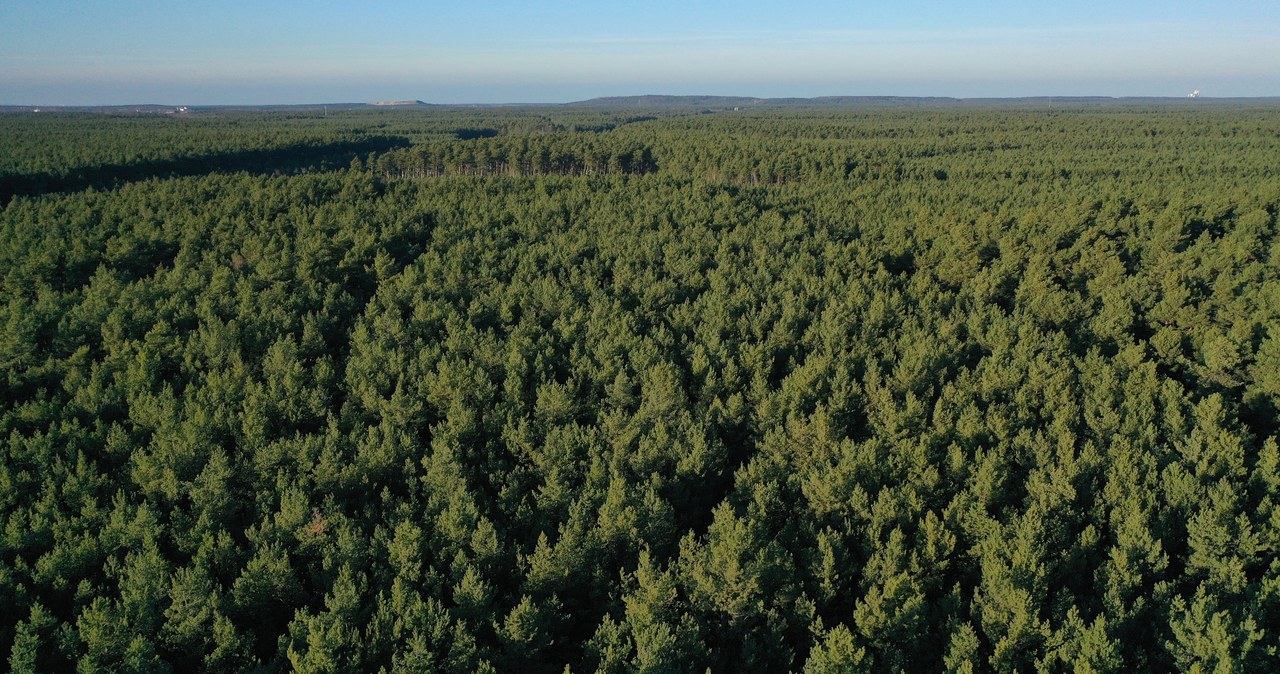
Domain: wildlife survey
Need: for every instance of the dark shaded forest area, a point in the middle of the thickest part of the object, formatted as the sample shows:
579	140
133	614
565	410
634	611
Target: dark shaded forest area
554	389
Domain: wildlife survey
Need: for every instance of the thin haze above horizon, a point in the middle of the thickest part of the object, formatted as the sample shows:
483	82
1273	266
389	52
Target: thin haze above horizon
94	52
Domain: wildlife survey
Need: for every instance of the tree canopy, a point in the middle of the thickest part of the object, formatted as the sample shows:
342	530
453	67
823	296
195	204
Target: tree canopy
825	390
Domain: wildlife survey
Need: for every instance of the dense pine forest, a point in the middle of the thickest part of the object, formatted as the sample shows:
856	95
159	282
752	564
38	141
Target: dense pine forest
830	389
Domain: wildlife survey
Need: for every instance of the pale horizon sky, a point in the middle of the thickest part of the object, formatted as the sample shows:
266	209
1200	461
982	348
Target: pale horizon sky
95	52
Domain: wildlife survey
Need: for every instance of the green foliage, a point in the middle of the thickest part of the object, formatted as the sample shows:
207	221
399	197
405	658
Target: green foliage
549	389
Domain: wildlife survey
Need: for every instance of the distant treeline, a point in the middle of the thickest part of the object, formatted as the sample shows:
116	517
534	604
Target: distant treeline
561	154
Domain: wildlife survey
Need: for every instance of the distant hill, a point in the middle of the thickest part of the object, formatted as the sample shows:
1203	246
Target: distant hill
664	101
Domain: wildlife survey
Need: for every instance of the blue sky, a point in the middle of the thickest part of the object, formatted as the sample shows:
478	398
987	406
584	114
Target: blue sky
233	52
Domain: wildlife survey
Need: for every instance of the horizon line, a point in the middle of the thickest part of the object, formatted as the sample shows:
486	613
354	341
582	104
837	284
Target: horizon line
406	103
